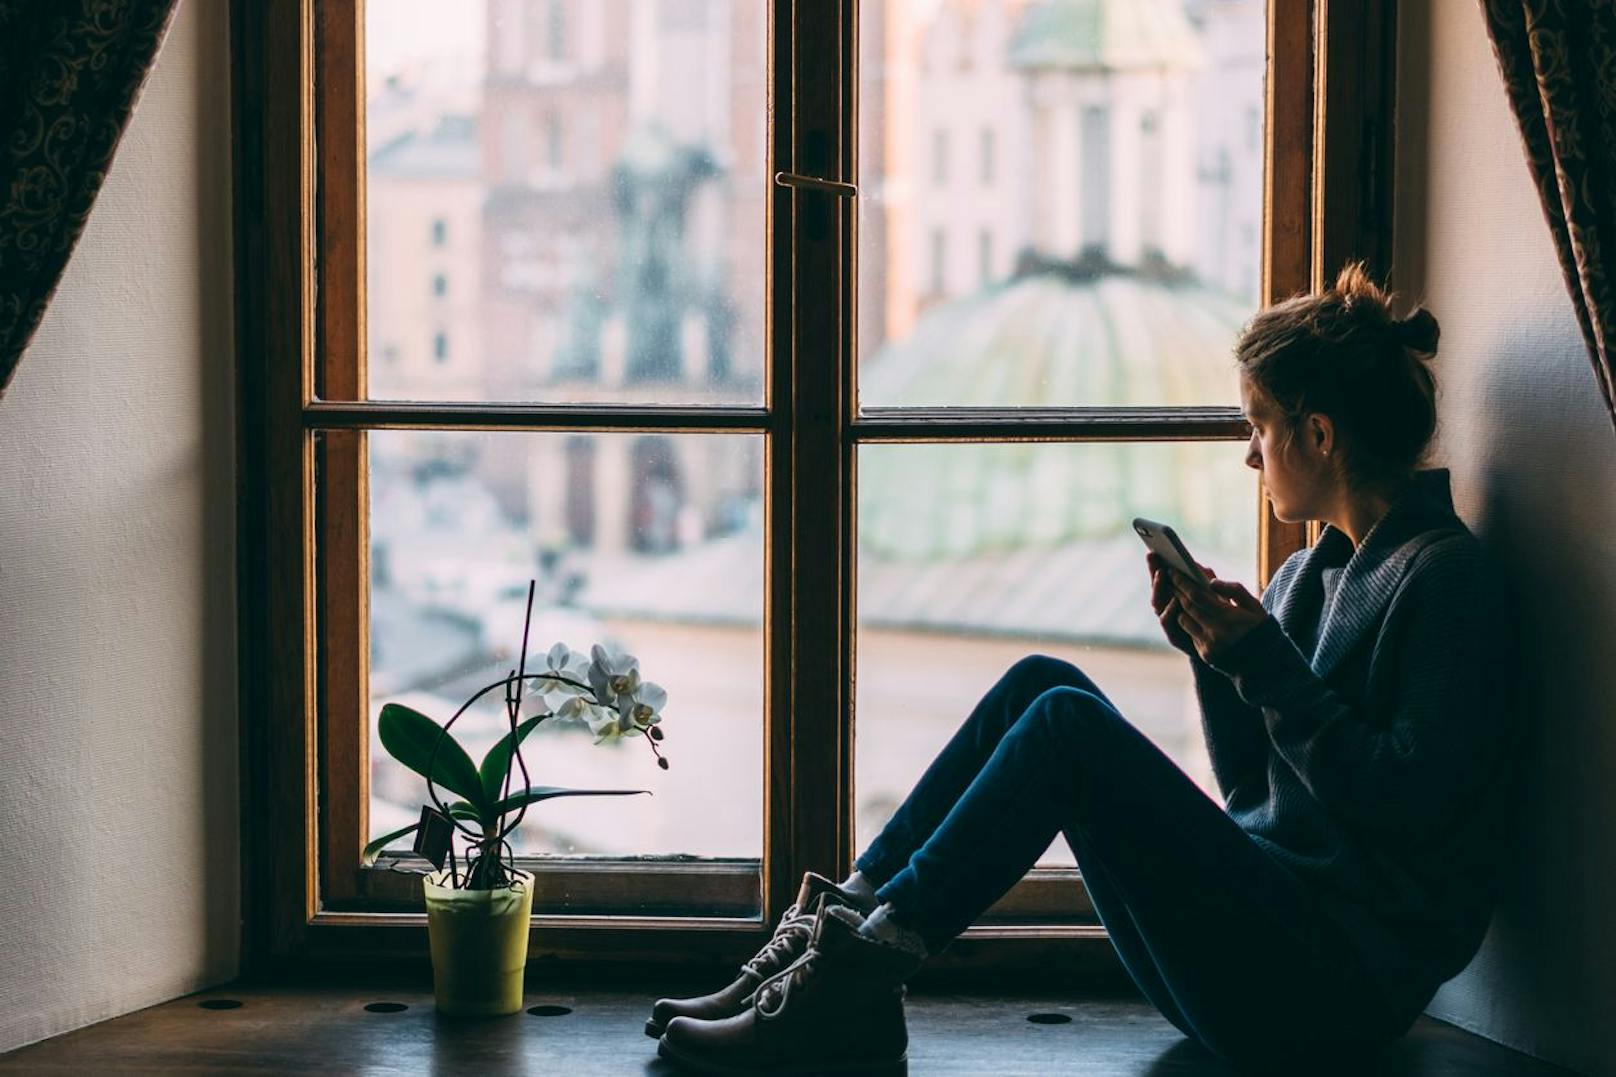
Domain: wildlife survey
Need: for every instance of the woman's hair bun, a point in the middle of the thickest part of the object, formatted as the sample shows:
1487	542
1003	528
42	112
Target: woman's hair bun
1419	331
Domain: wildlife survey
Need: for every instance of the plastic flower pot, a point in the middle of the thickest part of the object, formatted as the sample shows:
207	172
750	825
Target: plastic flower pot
479	946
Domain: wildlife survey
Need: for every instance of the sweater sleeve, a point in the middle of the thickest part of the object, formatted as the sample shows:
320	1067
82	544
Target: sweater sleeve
1236	739
1406	766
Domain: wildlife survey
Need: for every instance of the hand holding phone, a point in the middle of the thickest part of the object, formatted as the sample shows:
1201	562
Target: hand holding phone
1167	558
1164	542
1202	616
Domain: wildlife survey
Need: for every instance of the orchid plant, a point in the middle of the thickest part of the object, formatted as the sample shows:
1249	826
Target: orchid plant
602	690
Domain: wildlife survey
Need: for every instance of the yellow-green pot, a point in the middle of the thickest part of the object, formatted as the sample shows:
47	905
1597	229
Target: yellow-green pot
479	946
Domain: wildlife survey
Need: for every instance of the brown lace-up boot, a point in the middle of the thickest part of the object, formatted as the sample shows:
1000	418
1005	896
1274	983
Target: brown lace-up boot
837	1009
789	941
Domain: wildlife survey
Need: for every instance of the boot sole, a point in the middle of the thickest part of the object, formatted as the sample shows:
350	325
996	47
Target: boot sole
896	1067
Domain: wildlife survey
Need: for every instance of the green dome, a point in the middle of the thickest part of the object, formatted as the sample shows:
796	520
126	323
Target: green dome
1046	341
1105	35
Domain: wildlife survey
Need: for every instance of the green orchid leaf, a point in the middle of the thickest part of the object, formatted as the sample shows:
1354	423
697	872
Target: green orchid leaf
498	760
374	849
410	737
461	810
546	792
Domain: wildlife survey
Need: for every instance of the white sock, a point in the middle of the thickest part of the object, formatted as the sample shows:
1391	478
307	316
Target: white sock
857	885
882	925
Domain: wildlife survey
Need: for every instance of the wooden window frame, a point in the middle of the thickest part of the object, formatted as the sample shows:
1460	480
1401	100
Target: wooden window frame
298	109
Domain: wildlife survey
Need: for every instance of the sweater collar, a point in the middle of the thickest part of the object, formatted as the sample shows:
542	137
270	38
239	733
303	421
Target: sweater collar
1376	568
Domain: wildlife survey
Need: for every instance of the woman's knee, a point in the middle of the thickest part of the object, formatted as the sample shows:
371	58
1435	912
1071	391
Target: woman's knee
1038	673
1070	715
1022	686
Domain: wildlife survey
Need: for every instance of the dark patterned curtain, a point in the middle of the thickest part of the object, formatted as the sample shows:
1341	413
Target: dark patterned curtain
69	74
1558	59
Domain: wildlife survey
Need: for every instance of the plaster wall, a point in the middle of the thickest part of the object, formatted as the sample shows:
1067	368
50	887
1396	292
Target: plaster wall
1534	462
118	805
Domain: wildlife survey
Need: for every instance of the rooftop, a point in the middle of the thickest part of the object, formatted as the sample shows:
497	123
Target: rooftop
1105	35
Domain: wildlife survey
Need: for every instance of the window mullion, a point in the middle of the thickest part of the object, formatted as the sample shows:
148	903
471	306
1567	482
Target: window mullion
811	765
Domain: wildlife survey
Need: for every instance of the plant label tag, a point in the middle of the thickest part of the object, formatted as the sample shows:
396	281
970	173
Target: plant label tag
432	839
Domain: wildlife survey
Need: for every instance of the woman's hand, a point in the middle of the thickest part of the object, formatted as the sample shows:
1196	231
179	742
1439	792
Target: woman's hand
1164	600
1216	619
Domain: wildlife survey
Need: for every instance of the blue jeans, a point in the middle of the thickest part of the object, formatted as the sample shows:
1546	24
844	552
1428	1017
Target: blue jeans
1225	941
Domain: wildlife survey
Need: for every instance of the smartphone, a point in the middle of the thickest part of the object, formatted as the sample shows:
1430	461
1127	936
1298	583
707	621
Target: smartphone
1163	541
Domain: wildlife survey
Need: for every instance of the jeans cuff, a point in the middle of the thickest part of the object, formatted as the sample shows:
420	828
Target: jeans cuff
903	893
877	867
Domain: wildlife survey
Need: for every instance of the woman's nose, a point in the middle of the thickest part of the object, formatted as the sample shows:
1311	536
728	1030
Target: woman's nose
1254	455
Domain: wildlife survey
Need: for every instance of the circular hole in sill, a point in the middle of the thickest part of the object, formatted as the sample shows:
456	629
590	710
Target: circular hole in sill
220	1004
385	1007
1049	1018
549	1011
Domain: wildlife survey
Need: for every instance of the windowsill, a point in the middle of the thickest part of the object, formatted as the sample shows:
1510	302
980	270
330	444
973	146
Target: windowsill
323	1025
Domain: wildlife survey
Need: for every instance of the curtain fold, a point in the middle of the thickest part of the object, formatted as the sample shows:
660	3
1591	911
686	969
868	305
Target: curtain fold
1558	60
70	71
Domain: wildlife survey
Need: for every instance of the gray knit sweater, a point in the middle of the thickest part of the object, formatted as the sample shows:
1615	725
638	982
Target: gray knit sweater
1362	735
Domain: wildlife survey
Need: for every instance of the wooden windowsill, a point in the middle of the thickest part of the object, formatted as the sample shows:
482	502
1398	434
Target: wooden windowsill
324	1027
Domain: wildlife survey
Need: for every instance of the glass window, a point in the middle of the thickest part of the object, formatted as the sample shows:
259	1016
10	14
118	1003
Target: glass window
1116	278
1127	261
1053	214
973	556
643	262
653	543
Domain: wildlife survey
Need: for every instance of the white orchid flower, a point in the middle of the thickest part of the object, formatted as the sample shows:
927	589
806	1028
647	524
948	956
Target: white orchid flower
563	661
589	713
642	710
612	673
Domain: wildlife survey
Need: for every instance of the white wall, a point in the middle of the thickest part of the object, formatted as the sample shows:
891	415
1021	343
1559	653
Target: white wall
1534	461
118	805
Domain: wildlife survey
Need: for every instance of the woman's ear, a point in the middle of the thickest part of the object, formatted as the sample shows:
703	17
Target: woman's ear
1321	433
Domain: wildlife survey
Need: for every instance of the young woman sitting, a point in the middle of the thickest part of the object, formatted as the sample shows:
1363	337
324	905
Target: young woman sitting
1358	726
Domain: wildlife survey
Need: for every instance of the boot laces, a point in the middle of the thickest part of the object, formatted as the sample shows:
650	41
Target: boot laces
774	993
796	927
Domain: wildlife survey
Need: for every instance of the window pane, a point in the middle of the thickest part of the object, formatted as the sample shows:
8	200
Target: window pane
1106	248
972	556
652	542
590	175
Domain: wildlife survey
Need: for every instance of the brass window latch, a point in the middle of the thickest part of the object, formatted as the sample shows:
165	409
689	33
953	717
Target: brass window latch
814	183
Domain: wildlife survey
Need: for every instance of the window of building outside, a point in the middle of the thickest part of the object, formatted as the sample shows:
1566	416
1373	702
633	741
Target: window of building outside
640	281
553	144
556	30
939	261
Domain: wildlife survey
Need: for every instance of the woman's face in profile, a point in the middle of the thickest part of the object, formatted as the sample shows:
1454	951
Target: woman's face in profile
1290	478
